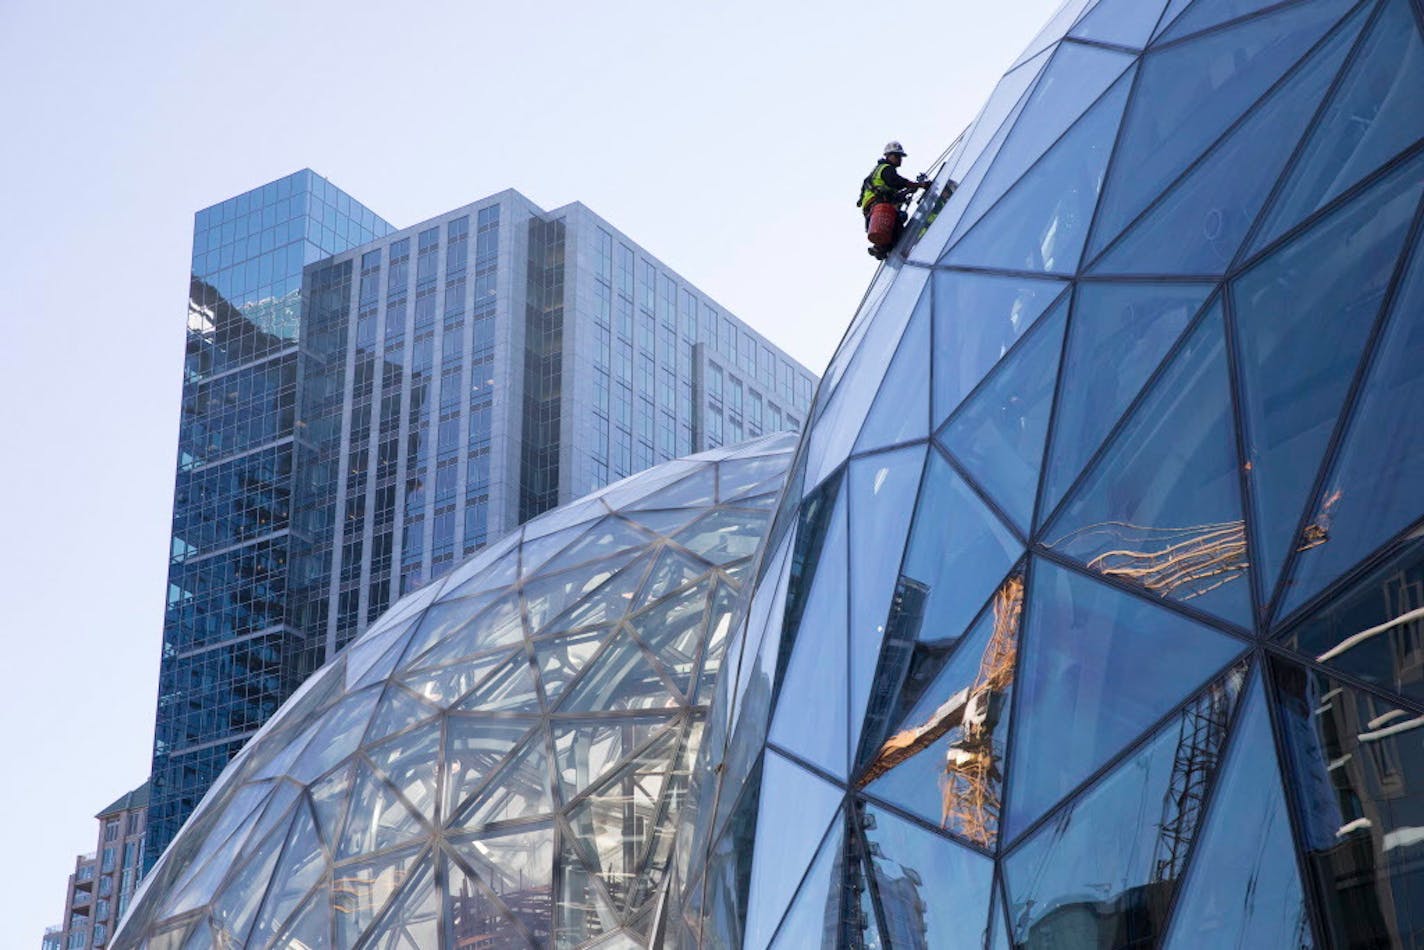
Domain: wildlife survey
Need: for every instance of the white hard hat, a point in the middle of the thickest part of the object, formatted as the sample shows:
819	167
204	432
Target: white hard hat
894	148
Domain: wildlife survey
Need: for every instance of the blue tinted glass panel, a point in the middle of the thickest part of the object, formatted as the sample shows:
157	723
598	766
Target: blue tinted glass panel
1041	223
977	317
1162	508
1356	772
997	435
817	731
1099	668
1190	93
1072	81
1205	13
1373	492
926	887
815	913
881	495
1295	373
795	813
1124	22
1198	226
901	410
1242	887
1111	860
1373	115
1116	338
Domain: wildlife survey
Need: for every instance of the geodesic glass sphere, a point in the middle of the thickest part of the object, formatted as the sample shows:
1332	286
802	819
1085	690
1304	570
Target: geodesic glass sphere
1094	616
500	760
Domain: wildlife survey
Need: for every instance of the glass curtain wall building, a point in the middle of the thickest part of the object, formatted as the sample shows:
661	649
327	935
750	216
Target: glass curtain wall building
1094	613
364	407
500	760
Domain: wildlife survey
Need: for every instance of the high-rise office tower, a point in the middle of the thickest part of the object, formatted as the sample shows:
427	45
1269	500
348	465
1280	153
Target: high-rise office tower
363	407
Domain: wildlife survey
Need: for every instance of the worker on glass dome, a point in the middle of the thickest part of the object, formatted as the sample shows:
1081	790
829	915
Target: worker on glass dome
887	190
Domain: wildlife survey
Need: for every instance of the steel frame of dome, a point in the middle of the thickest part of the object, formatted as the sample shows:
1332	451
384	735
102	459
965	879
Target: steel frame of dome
1094	611
499	761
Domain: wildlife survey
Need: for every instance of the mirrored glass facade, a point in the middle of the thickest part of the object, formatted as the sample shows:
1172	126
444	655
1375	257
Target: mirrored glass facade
500	760
1092	614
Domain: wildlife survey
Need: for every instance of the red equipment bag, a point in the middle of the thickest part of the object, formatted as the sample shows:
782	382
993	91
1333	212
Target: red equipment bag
884	219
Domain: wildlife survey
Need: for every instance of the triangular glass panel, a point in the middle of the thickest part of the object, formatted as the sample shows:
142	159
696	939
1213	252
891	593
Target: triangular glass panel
996	931
474	749
519	790
1373	115
901	411
724	534
444	686
817	667
610	537
1162	507
1353	766
672	570
1099	667
927	887
518	868
302	866
943	759
1053	30
583	910
630	491
409	763
1242	887
1116	338
510	688
609	602
1372	494
413	922
1176	112
1121	22
621	678
587	751
997	434
548	596
329	798
311	926
1073	80
1109	856
1042	222
736	478
696	490
533	554
477	918
675	631
364	888
342	730
377	819
372	656
398	710
977	318
1204	13
1174	10
236	903
663	521
443	619
880	493
562	658
1198	226
814	916
496	626
795	814
1295	373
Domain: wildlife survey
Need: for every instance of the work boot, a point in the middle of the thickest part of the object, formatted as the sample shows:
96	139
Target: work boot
877	252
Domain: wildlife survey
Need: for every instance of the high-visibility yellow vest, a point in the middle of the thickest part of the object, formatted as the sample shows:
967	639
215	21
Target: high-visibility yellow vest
874	188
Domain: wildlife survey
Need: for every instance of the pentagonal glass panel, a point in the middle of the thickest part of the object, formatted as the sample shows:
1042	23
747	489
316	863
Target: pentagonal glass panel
901	411
361	889
977	318
1116	338
475	748
818	732
1295	373
794	815
997	434
1373	115
926	887
1356	770
1074	78
814	917
1042	222
943	756
1198	225
1122	22
1099	667
1242	886
1109	859
1162	507
1190	93
518	869
880	493
1372	493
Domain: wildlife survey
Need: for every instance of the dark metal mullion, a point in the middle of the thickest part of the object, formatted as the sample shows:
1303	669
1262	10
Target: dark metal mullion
1123	755
1346	678
1241	443
1288	75
1311	128
821	842
1030	568
1148	386
1113	152
451	854
1098	44
1226	24
1411	246
900	811
954	465
1053	406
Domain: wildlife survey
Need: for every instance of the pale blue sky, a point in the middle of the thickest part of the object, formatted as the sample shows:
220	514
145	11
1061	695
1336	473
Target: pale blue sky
728	138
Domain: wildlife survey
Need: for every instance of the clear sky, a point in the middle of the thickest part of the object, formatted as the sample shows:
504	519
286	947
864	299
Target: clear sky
728	138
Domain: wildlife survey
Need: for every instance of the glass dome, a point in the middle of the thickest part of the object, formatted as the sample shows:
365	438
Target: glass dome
1095	614
500	760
